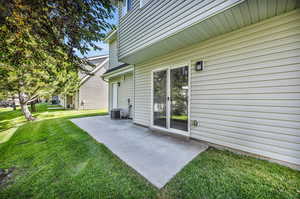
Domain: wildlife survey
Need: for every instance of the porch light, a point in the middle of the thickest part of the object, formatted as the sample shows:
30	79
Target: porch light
199	66
119	83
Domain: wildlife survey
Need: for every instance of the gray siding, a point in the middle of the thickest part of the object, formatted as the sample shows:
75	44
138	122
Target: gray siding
248	95
153	28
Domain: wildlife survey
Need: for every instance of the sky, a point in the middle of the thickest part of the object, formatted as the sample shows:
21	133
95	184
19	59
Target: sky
103	45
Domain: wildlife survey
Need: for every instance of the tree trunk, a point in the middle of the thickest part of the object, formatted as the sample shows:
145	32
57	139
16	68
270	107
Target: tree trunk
14	106
14	103
32	107
24	107
26	112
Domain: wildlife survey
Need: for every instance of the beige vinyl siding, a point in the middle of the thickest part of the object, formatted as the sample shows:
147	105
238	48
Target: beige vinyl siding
143	3
160	20
125	90
248	95
113	54
94	92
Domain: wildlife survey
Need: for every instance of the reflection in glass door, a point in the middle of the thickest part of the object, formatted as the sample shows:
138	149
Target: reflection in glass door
159	98
179	98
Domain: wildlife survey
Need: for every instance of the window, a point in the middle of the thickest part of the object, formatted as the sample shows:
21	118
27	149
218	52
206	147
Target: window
129	5
126	7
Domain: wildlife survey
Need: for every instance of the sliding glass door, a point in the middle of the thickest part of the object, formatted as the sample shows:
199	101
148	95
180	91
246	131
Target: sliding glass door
159	98
170	98
179	87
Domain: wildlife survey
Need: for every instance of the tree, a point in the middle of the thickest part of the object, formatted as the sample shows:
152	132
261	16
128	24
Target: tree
38	43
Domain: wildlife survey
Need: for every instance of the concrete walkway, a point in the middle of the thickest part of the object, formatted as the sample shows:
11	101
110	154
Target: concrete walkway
55	108
157	157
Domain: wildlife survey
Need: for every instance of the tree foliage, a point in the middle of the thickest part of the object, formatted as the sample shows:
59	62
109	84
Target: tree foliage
38	43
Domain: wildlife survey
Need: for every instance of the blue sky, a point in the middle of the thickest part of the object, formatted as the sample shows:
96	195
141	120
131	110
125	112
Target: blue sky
103	45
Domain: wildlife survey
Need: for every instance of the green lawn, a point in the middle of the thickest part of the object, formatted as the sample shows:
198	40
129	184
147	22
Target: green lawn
179	117
53	158
10	120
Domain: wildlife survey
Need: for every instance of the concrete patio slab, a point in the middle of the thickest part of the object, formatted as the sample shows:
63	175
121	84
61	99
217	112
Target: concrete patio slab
157	157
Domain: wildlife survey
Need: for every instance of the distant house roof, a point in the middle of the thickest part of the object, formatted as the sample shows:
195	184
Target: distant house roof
96	57
99	61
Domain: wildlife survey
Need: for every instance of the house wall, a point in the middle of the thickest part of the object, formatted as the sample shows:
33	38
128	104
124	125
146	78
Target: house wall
125	90
62	100
68	101
94	92
113	54
248	95
144	2
158	20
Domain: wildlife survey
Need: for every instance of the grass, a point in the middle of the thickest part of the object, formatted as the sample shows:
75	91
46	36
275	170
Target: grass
11	120
53	158
179	117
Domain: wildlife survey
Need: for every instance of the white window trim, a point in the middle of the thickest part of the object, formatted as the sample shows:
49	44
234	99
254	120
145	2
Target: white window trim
125	8
141	3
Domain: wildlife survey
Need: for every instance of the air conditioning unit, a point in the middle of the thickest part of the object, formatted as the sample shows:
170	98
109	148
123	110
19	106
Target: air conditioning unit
115	113
119	113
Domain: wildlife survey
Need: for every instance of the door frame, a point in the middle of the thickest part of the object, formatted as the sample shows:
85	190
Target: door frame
168	129
113	94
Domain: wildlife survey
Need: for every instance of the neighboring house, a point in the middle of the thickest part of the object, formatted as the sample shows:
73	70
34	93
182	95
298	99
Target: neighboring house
93	91
10	101
225	71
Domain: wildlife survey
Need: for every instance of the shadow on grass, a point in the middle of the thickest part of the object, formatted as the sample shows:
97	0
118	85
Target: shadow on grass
11	120
58	154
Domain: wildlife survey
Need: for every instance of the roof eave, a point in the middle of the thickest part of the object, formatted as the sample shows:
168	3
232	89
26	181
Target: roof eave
115	73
